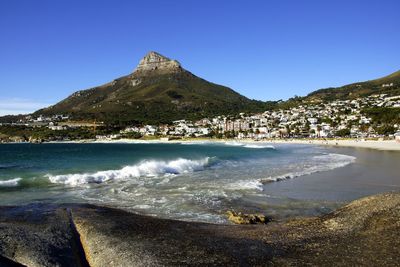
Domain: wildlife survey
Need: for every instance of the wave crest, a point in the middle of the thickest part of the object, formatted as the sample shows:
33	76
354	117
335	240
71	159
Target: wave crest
326	162
151	168
10	183
249	145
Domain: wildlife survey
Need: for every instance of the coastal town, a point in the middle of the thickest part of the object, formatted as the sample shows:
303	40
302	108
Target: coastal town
339	118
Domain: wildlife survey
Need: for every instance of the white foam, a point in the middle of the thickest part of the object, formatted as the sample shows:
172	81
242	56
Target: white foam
142	207
323	163
246	185
196	143
10	183
233	143
151	168
127	141
249	145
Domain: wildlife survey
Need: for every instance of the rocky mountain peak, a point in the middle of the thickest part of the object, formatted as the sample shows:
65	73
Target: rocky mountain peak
154	62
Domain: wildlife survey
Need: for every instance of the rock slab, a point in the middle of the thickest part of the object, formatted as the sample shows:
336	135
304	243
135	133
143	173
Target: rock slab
363	233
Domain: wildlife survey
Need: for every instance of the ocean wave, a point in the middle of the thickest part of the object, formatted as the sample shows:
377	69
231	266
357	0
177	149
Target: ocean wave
127	141
248	145
10	183
196	143
233	143
151	168
324	163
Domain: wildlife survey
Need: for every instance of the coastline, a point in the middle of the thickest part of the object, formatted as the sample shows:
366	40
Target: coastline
362	231
388	145
316	186
384	145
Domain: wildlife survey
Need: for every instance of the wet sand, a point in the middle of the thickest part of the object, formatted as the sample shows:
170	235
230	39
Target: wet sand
372	172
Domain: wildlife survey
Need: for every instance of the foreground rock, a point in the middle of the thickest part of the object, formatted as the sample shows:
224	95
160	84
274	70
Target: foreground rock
240	218
39	235
365	232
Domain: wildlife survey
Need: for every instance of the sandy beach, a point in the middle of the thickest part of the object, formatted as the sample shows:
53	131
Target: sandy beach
389	145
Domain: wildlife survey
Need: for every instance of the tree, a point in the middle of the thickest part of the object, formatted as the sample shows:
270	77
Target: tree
133	135
288	130
307	126
385	129
343	132
319	128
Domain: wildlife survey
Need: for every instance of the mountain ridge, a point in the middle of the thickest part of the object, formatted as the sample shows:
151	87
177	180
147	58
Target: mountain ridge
389	84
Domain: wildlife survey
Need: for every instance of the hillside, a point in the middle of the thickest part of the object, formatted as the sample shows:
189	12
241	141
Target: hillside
389	85
158	91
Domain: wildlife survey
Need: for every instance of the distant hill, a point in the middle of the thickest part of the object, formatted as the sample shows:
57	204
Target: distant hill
387	85
158	91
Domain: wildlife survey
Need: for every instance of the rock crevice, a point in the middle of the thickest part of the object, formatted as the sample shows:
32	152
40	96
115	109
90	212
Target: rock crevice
77	244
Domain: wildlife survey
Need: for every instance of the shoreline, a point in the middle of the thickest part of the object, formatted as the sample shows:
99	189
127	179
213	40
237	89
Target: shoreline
384	145
388	145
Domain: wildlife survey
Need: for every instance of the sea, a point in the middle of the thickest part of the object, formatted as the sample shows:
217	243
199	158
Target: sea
196	181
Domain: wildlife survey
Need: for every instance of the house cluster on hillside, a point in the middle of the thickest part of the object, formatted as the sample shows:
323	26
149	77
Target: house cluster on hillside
340	117
323	120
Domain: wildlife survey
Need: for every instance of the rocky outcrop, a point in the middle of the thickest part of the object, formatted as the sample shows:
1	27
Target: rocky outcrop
154	63
38	235
240	218
363	233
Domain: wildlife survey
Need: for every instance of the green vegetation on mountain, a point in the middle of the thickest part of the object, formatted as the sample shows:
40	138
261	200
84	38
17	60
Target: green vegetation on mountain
159	91
25	133
383	115
389	85
157	99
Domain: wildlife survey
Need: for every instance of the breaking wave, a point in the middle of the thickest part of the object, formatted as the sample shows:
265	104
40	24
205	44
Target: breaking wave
324	163
249	145
151	168
10	183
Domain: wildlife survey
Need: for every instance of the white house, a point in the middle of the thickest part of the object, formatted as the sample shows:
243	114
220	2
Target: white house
397	136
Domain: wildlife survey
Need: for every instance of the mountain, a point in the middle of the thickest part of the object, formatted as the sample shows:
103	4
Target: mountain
159	90
389	85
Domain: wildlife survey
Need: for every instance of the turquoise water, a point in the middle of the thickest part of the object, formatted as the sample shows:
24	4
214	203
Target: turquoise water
190	181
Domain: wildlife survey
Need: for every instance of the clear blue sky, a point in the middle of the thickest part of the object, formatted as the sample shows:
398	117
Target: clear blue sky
265	50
